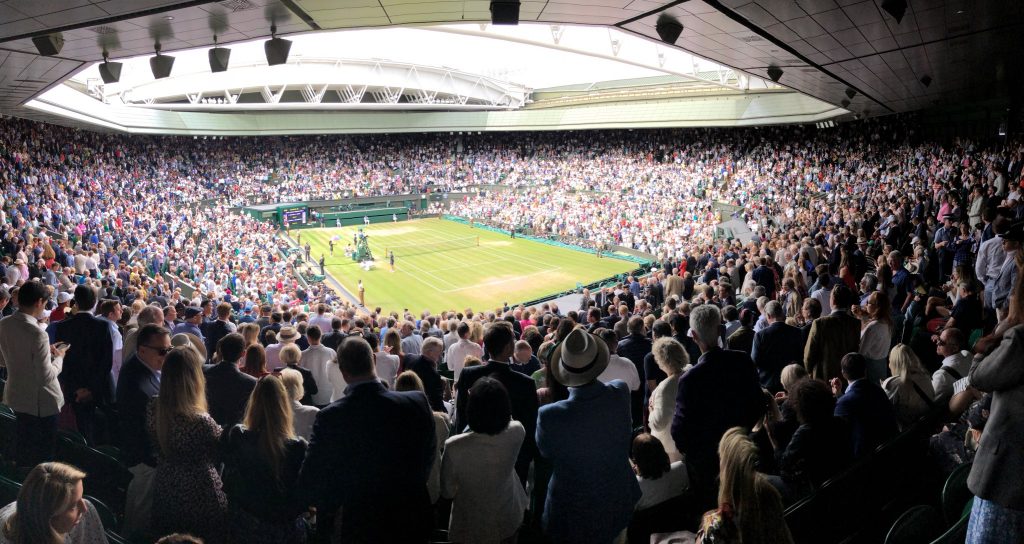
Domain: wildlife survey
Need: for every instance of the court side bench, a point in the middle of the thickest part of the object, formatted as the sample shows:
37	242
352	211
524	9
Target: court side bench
870	494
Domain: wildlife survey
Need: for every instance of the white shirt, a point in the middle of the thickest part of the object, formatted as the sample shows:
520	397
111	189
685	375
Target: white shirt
942	381
824	296
459	351
990	259
336	380
387	367
322	321
315	359
620	368
303	418
669	485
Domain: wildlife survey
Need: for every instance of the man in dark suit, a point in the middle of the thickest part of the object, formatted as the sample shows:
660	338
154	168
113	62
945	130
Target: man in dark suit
635	347
85	379
864	406
425	366
227	388
370	455
764	276
721	391
219	328
499	343
776	346
333	339
743	338
138	382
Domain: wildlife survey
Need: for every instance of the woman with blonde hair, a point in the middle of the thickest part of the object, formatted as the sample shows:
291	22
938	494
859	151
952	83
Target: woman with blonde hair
187	490
262	457
671	358
50	509
290	356
910	387
303	416
250	332
749	507
393	346
410	381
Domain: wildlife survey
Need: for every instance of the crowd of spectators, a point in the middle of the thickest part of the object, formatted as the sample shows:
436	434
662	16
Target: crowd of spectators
882	287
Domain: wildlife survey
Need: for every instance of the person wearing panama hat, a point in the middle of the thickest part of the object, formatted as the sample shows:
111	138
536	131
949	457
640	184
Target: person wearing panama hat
587	440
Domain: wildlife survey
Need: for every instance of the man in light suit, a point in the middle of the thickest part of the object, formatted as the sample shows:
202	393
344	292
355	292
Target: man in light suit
227	388
587	439
776	346
86	379
499	342
32	390
995	474
833	336
370	455
673	286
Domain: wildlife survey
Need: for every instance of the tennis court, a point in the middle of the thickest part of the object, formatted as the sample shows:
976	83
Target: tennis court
441	265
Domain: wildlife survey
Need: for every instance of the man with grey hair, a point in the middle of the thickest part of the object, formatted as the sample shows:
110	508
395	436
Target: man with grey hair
412	342
425	366
776	346
151	315
721	391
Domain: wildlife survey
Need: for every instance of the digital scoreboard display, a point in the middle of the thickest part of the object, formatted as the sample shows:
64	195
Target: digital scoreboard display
291	216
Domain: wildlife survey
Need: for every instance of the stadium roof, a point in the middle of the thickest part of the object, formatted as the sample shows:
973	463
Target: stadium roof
848	55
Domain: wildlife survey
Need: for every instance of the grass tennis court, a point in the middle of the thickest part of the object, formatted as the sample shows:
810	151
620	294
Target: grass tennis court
439	266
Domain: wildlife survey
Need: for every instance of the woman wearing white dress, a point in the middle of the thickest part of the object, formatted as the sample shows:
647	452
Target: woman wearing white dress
910	388
478	470
671	358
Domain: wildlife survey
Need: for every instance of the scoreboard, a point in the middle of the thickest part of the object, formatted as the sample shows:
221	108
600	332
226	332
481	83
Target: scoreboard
294	215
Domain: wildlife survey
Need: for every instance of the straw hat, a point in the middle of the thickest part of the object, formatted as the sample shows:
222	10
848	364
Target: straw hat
580	359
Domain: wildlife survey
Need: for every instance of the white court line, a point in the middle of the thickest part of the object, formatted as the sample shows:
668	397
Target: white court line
496	256
496	282
438	278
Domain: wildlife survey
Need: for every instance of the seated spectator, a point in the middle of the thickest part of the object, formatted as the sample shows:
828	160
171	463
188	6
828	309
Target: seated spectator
951	346
660	479
303	416
820	447
51	508
910	387
227	388
478	469
409	381
262	457
864	406
672	361
187	489
586	438
290	356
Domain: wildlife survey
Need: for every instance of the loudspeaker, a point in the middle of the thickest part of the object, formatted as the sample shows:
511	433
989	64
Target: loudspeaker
669	28
219	57
50	44
505	13
161	65
277	50
110	72
775	73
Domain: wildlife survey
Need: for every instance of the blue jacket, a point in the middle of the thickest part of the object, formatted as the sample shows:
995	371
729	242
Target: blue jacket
587	439
870	414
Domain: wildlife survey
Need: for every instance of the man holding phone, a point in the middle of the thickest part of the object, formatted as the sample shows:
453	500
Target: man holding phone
32	391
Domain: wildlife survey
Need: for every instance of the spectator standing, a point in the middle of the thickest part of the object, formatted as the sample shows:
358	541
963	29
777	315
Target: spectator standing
864	406
316	359
228	388
409	381
910	387
303	416
33	366
775	346
833	336
672	359
461	349
138	383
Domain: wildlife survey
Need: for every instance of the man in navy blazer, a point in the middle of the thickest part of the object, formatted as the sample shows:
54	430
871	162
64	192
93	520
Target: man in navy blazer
138	382
85	379
864	406
370	455
227	388
720	392
776	346
499	342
